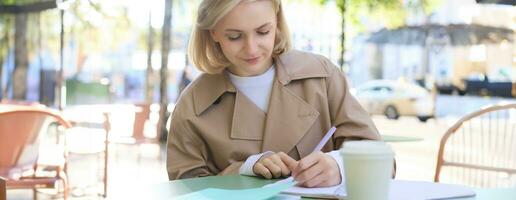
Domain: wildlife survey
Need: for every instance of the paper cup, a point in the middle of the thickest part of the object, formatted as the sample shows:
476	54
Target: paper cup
368	169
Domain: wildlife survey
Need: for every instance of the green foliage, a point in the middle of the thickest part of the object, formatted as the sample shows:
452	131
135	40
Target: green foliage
17	2
389	12
94	27
392	13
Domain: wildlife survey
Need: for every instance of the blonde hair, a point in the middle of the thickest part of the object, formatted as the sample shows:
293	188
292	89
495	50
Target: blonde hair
206	54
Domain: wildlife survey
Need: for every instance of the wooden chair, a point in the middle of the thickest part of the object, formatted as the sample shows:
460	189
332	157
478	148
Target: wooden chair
480	149
3	189
138	137
141	116
21	132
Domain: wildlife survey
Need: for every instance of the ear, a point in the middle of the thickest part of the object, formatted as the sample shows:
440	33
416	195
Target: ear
214	36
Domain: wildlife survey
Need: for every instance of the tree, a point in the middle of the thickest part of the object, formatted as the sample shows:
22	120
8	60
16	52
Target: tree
86	35
20	9
21	58
149	76
391	12
165	48
5	23
352	9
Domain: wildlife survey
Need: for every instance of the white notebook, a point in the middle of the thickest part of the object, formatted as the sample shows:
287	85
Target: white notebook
400	190
409	190
338	191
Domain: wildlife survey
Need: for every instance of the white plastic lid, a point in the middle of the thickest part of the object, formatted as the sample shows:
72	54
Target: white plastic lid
366	147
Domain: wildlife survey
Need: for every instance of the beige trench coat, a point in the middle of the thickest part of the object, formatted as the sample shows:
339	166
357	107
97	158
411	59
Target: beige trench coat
215	127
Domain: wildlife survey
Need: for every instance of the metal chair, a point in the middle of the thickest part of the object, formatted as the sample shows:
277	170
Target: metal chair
22	129
480	149
105	126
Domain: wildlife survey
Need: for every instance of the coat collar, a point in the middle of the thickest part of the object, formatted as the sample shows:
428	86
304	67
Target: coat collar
293	65
296	65
210	87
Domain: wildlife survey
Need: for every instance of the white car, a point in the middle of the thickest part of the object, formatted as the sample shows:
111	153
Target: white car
393	99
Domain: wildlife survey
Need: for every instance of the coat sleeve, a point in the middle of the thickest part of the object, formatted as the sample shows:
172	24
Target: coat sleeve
350	119
187	154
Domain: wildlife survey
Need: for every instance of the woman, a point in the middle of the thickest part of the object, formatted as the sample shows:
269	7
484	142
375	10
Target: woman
260	108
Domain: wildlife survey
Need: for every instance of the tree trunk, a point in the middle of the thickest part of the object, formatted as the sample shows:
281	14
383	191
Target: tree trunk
42	98
1	70
3	49
60	75
21	57
8	23
165	42
342	35
149	80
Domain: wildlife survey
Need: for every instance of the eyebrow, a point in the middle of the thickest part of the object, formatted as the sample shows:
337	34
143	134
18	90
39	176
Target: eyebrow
236	30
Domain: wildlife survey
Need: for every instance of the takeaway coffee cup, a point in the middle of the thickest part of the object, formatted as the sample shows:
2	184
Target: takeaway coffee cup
368	169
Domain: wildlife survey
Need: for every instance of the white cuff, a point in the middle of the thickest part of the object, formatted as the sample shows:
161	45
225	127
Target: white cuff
247	167
338	158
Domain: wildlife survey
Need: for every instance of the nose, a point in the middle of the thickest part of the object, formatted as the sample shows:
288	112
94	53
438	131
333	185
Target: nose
251	46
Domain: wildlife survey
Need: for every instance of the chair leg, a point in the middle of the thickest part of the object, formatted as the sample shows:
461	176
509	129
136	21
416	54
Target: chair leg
3	189
64	178
139	158
34	194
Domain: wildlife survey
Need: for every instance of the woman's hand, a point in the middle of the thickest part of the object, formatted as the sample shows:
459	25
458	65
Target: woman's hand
274	165
316	170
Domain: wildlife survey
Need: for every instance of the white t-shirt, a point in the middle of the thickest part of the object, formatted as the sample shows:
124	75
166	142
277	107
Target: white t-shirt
255	88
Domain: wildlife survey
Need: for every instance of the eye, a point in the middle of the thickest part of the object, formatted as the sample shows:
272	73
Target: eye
263	32
233	37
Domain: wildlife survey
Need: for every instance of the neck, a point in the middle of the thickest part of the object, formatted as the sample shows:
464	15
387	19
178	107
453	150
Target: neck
234	70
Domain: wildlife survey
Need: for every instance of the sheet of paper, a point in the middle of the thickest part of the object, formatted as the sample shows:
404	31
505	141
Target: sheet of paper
248	194
400	190
338	191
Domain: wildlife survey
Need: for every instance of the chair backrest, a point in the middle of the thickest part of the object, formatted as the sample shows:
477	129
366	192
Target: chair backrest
3	189
480	149
140	117
20	130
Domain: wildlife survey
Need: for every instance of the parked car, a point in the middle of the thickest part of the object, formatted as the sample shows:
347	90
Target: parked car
393	99
447	87
484	86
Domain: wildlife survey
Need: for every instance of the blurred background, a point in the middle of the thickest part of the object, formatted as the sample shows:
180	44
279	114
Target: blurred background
416	65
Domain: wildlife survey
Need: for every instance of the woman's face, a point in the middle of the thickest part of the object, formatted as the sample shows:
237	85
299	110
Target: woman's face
246	36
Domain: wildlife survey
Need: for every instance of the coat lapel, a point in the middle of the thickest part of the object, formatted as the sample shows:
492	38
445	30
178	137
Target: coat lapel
248	119
288	119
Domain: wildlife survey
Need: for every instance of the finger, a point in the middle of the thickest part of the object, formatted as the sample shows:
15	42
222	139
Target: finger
326	183
289	161
309	173
273	168
285	171
306	163
262	170
315	181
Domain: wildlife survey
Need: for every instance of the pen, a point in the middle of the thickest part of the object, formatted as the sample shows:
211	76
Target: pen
319	146
325	139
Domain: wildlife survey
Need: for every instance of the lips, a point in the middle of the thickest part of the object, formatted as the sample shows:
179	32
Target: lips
252	60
